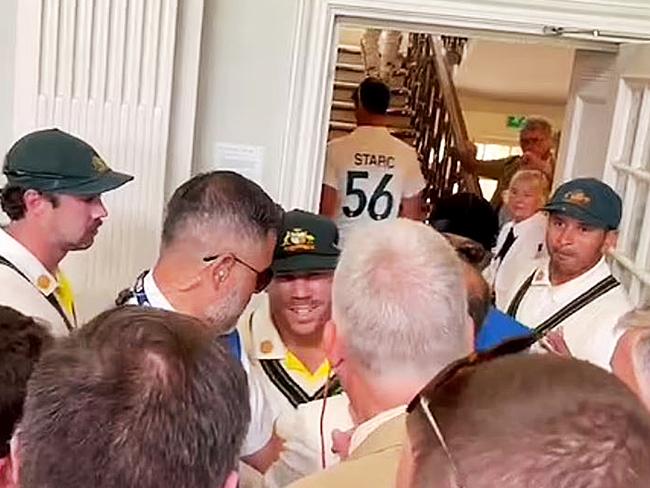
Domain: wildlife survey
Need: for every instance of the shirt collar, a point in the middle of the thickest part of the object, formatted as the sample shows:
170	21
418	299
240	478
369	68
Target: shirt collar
521	228
266	341
25	261
580	283
365	429
154	295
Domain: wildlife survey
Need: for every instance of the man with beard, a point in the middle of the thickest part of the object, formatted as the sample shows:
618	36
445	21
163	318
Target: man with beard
53	201
571	299
218	238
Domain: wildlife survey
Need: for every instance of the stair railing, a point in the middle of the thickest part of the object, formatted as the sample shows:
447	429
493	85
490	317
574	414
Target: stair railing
437	117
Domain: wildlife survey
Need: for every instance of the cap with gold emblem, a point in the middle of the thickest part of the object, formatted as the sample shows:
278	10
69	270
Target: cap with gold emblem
54	161
588	200
307	243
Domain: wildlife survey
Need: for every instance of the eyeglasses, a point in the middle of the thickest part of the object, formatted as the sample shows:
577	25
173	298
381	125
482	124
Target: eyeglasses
263	278
423	402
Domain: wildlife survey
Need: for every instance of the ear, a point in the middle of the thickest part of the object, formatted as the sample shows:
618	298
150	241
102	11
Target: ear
220	270
9	465
611	239
232	480
34	201
331	344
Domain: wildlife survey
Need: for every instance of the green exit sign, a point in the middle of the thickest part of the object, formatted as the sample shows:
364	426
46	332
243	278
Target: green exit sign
516	122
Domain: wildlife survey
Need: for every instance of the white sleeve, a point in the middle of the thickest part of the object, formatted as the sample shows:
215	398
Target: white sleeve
413	180
330	178
261	426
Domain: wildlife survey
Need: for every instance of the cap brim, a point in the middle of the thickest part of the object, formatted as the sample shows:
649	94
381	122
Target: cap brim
106	182
304	263
576	212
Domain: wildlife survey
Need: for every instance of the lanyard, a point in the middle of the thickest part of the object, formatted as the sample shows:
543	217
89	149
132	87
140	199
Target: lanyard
232	341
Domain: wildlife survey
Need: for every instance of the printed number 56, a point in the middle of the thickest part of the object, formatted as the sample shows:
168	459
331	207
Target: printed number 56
379	193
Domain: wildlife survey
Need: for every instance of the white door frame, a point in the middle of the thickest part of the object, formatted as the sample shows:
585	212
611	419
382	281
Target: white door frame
312	73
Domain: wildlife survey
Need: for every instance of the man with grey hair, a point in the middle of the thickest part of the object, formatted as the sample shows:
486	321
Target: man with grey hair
218	238
631	358
536	141
399	315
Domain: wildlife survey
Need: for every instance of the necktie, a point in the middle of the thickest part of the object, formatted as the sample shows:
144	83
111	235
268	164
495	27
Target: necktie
510	239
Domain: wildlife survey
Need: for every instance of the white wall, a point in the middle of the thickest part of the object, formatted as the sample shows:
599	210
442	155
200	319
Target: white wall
7	57
244	79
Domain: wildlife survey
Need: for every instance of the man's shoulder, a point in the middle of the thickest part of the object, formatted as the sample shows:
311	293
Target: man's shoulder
377	470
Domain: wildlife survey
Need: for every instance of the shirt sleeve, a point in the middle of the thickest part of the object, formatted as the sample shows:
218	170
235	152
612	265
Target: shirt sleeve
414	182
261	426
329	178
493	169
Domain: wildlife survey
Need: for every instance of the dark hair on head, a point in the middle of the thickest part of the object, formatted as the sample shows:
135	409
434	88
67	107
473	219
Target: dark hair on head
13	203
138	397
373	95
220	197
22	341
466	215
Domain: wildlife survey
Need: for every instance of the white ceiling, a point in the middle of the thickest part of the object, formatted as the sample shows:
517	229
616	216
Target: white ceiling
509	71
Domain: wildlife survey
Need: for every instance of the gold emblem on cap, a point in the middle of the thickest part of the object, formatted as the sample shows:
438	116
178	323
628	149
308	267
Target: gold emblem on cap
577	198
43	282
266	347
298	239
99	165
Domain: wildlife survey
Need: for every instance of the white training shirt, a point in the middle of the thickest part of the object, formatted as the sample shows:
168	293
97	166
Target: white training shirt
590	333
261	426
523	255
372	172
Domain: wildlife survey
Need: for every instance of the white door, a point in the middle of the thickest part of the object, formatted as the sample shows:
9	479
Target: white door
588	116
627	167
103	70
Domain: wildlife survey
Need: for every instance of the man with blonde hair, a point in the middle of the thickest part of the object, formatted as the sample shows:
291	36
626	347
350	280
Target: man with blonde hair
399	315
631	358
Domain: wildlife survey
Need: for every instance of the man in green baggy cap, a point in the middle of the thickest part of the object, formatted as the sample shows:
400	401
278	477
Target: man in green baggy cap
53	200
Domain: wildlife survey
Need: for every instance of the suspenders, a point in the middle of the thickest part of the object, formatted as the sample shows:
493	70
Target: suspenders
596	291
50	298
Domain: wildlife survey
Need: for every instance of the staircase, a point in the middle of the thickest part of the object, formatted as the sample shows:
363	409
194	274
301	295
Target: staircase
349	73
424	111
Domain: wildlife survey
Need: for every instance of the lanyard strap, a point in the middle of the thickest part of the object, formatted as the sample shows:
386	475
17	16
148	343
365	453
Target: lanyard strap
596	291
50	298
231	341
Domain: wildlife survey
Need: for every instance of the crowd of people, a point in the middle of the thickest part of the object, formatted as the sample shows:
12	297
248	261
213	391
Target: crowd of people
380	351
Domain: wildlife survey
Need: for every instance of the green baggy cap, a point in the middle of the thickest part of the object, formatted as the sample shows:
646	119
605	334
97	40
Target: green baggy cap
307	243
54	161
588	200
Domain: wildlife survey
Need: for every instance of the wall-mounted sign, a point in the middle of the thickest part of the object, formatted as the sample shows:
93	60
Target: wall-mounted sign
515	122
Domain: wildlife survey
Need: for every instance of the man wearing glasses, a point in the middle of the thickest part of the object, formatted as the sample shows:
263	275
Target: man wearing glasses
218	238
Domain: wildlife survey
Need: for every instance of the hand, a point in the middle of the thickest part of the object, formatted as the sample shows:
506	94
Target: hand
531	160
466	153
341	443
554	343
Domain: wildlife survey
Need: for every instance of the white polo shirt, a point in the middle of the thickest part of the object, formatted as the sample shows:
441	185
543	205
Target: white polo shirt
261	426
372	171
29	297
523	255
589	333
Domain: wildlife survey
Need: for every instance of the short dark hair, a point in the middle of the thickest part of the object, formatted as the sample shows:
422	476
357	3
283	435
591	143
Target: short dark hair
467	215
13	203
373	95
220	197
136	398
479	296
22	341
533	420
